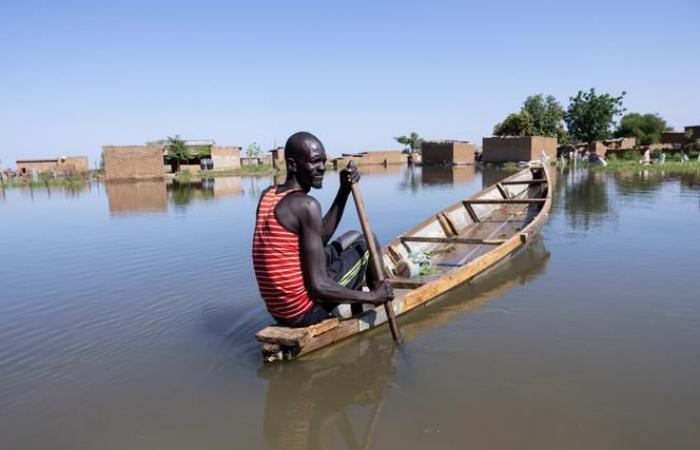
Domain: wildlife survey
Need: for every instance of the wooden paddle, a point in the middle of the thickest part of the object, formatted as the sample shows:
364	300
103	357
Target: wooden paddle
376	259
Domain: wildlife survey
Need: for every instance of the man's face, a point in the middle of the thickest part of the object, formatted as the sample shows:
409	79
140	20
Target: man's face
311	167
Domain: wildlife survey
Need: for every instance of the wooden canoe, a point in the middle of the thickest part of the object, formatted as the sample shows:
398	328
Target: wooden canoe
463	240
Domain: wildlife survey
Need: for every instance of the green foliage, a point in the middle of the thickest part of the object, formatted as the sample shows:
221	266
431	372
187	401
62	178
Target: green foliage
201	151
177	151
257	169
539	115
253	150
590	116
412	142
546	113
516	124
631	155
646	128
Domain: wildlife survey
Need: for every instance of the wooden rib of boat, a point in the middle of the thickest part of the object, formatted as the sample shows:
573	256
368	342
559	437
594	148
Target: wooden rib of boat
462	241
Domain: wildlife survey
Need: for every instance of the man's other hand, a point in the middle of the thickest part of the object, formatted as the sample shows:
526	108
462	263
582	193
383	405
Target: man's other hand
349	176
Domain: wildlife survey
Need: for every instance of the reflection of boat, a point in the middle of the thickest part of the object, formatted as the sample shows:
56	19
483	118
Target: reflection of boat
319	400
457	244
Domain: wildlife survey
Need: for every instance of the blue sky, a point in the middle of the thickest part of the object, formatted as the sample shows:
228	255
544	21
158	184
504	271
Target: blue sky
78	75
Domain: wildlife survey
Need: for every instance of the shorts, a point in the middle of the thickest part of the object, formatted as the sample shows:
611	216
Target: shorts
346	267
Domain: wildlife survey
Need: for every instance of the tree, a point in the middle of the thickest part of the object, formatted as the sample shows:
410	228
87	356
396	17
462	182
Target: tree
177	151
647	128
253	150
516	124
539	115
546	113
412	141
590	116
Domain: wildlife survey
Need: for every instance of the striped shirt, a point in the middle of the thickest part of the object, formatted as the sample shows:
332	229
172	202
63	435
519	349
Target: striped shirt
277	261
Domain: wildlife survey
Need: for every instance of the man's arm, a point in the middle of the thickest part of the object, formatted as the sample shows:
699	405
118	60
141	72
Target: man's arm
313	260
332	218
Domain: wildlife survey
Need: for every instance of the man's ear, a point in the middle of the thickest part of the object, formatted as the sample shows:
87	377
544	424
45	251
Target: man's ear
291	165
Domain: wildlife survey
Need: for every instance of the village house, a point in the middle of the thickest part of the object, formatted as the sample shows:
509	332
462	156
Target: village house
151	161
61	165
518	148
677	140
616	146
368	158
447	152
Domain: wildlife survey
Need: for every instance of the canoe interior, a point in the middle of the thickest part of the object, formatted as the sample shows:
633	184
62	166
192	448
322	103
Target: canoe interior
462	241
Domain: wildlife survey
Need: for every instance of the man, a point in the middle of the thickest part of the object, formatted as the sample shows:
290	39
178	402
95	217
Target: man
300	276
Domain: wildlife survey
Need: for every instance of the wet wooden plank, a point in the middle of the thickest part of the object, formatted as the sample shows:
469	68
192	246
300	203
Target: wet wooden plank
471	212
294	337
405	283
491	201
452	240
533	181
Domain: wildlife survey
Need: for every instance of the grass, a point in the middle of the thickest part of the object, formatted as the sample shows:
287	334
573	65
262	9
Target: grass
262	169
42	182
621	165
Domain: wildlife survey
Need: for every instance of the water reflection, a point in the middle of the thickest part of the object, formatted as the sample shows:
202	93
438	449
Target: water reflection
308	402
334	398
521	269
641	182
491	175
137	197
437	175
585	198
153	195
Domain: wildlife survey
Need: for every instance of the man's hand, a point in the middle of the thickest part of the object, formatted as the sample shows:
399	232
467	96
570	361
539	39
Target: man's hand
349	176
383	292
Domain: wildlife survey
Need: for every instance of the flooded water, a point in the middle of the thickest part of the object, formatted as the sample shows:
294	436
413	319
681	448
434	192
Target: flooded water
127	315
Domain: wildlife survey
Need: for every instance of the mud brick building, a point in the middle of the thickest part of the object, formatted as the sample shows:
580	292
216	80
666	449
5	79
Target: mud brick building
378	157
518	148
447	152
133	162
63	164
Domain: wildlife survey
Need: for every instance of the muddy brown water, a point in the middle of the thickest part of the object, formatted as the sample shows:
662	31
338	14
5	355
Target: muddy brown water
127	315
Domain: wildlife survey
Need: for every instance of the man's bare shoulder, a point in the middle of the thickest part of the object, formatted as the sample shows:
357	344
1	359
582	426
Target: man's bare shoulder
300	202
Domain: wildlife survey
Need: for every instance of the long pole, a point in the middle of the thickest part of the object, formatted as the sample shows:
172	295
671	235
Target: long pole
376	259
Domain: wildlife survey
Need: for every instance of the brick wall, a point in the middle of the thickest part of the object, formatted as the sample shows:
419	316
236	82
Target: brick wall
226	158
277	156
371	158
673	137
447	152
133	162
518	148
69	164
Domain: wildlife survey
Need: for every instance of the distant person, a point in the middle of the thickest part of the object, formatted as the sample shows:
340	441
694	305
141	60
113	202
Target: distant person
301	276
646	159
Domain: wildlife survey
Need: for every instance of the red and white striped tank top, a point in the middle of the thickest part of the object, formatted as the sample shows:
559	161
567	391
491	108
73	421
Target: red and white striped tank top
277	261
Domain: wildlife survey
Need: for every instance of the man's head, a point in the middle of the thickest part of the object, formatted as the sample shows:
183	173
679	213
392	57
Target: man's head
306	160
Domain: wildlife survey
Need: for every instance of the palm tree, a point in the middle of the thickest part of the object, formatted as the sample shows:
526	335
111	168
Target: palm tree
177	151
413	142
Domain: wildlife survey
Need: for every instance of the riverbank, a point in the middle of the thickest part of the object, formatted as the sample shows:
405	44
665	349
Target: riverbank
634	166
262	169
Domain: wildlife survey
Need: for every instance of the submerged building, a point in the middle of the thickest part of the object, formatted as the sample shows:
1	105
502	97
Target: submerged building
518	148
62	164
133	162
447	152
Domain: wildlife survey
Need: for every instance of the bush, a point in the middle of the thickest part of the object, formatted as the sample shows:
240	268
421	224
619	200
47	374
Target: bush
631	155
611	156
